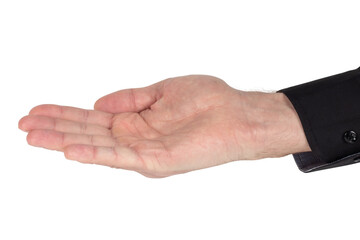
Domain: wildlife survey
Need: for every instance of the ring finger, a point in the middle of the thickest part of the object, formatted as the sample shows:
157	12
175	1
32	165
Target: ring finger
58	140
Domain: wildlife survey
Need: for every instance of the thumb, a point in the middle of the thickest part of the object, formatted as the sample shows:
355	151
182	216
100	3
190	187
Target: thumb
130	100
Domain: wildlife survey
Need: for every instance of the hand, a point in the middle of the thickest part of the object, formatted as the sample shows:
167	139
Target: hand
174	126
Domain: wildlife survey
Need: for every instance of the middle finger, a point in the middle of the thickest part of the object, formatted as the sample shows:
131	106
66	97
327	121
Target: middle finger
33	122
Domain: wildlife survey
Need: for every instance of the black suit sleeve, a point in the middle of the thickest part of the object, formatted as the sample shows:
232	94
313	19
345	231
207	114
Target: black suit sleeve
329	111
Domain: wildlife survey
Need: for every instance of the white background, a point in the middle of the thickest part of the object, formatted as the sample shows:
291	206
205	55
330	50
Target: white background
73	52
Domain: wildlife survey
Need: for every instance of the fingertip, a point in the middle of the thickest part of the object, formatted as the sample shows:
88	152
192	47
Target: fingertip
69	153
45	138
80	153
22	125
35	110
97	105
44	108
106	104
33	138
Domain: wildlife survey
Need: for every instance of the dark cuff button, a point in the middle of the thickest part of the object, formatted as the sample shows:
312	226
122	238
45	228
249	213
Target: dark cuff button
350	136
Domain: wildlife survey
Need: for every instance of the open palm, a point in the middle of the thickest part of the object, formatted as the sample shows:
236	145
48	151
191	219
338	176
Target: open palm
174	126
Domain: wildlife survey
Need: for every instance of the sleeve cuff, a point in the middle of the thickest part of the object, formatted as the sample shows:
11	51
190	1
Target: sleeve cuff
329	112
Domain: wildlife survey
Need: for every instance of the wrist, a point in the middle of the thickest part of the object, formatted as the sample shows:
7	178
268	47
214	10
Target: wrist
285	134
277	130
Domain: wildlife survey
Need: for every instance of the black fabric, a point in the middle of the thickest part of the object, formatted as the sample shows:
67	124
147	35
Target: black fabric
328	108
